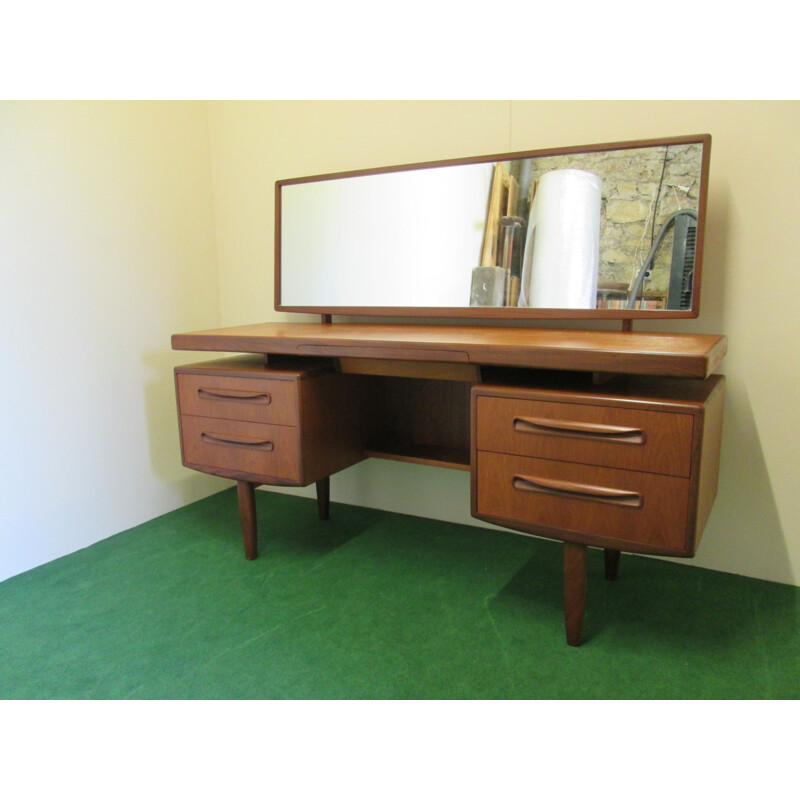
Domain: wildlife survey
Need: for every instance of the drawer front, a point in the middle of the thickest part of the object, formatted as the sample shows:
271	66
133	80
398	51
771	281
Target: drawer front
619	504
247	399
651	441
245	447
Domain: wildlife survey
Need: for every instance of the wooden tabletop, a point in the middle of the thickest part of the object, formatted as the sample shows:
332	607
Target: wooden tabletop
637	353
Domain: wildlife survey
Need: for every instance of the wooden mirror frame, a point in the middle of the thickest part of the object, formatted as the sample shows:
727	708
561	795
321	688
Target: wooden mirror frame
499	314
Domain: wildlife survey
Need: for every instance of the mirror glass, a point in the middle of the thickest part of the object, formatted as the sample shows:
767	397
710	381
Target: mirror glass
606	230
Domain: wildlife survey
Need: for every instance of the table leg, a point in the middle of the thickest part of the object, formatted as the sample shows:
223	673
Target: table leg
611	558
324	497
574	590
246	493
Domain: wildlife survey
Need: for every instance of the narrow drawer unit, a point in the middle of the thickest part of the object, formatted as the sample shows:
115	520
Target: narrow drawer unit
285	424
633	466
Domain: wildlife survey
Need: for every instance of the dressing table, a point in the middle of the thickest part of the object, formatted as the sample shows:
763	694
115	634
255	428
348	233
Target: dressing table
601	438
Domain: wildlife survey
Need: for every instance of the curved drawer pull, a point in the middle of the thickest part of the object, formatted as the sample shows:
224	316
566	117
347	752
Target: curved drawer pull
240	441
592	429
234	394
577	491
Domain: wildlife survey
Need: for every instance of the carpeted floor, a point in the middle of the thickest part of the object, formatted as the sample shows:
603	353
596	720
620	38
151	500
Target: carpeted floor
377	605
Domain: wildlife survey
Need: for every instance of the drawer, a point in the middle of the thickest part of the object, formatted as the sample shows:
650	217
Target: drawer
243	447
248	399
616	504
606	436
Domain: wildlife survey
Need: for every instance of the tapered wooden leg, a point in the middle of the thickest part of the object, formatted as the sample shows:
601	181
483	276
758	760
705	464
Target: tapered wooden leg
574	590
246	493
612	563
324	497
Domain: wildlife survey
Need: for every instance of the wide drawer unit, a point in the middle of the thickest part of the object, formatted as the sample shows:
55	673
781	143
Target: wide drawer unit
619	505
250	399
588	434
252	448
631	465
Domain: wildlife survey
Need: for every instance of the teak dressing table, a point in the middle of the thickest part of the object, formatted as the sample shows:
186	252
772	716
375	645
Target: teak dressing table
626	463
595	438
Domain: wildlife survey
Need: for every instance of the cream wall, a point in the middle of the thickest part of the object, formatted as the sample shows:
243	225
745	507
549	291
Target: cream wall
751	282
113	236
106	249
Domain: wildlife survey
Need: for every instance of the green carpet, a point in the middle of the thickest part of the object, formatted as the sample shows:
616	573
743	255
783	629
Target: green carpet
377	605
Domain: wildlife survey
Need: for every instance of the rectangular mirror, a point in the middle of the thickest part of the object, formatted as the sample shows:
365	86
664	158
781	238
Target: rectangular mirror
613	230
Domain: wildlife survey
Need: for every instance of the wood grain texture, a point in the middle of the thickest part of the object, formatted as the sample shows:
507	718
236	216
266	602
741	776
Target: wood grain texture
674	511
245	492
611	563
659	520
284	368
707	446
262	451
419	421
426	455
574	591
638	353
429	370
660	442
315	420
331	425
246	399
324	498
571	485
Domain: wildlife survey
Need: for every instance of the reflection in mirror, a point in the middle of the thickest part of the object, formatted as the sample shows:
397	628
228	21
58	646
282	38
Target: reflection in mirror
609	228
645	253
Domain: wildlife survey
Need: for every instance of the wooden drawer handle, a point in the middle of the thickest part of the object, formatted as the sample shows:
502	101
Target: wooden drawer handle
234	394
240	441
579	491
606	432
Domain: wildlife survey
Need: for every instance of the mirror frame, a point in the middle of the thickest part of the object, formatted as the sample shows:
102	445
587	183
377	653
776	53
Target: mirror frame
511	313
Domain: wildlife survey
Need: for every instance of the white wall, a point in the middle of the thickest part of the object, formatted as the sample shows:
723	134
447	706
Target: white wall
106	249
750	291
